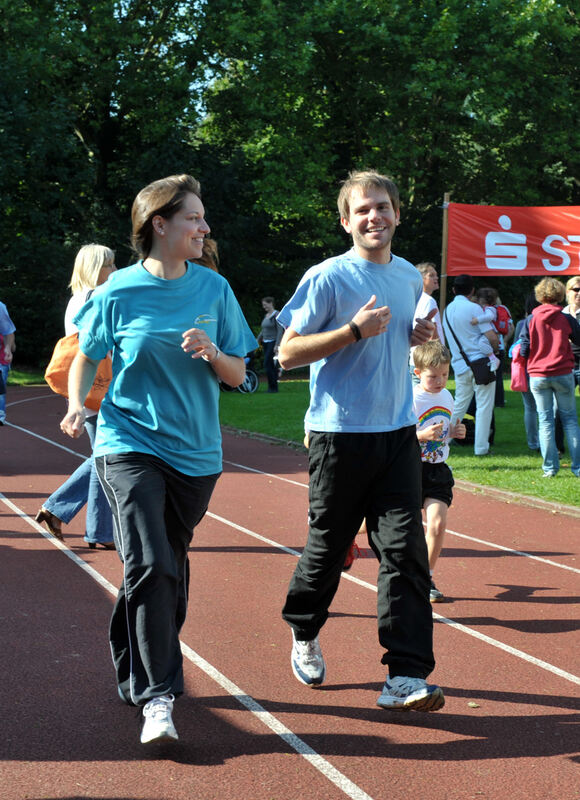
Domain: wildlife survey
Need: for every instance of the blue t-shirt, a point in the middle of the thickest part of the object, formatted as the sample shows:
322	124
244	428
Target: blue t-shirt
162	401
366	386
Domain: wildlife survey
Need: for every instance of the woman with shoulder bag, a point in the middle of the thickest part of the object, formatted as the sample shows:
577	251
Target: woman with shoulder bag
93	265
546	343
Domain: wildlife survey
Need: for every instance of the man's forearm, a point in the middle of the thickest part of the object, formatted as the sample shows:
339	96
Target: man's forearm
299	351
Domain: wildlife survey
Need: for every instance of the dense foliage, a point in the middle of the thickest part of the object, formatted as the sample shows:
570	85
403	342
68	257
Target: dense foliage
270	104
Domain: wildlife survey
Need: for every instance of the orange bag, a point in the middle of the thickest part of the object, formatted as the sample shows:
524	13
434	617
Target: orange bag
56	374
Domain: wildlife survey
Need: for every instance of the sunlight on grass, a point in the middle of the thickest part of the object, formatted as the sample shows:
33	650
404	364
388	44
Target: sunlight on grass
511	466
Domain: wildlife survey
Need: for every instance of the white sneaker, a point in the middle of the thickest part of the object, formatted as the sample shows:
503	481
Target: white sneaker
158	725
307	661
402	694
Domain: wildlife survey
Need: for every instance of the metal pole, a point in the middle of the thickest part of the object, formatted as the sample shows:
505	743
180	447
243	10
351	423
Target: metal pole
443	281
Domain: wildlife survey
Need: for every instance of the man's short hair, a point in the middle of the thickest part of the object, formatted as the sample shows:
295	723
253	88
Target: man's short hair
550	290
365	179
431	354
463	284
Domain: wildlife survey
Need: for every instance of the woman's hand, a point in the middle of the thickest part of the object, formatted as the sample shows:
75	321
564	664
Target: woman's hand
197	341
73	423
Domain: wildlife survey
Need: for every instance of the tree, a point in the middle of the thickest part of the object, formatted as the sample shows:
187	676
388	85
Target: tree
473	98
96	100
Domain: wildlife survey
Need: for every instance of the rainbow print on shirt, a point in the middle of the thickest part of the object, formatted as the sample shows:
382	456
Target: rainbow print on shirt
433	451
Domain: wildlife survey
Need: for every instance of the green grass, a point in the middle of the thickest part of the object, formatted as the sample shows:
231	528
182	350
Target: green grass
511	467
25	377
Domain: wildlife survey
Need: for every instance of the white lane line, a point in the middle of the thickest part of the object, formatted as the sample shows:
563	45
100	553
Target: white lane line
513	552
463	628
323	766
269	720
48	441
507	648
447	530
537	662
267	474
28	400
61	546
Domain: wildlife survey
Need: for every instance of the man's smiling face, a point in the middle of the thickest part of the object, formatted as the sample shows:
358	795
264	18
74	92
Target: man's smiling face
371	222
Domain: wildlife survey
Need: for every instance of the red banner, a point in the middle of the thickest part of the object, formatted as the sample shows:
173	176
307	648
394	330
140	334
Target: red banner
513	240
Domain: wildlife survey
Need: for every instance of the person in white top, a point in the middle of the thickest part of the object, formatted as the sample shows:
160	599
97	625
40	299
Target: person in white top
93	265
425	305
573	308
457	317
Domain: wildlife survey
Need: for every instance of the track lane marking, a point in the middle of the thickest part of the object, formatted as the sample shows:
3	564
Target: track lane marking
305	486
459	626
447	530
324	767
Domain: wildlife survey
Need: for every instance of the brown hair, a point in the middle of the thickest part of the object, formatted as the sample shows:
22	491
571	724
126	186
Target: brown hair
365	180
209	256
164	198
487	295
431	354
550	290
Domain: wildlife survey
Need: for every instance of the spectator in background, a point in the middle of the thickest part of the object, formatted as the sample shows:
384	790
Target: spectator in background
457	317
7	347
94	263
546	336
269	337
501	319
209	256
573	308
425	305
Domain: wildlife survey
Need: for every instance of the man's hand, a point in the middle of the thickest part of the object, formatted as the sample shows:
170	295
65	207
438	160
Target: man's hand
424	329
372	321
457	431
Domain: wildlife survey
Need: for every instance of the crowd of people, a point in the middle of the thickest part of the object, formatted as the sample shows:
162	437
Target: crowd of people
379	423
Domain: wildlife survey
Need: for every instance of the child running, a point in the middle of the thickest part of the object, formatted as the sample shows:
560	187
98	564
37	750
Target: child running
433	405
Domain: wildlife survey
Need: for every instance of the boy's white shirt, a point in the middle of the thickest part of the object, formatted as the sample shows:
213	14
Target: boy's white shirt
432	408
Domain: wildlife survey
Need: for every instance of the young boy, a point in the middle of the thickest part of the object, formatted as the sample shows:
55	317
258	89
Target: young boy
433	405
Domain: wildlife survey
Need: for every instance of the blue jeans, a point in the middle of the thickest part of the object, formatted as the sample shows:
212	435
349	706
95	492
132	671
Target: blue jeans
4	370
531	420
82	487
559	388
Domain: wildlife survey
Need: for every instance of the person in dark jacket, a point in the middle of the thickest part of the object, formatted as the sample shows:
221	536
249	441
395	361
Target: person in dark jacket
546	343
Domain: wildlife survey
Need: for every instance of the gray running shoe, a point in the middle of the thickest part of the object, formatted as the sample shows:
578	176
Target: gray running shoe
405	694
435	596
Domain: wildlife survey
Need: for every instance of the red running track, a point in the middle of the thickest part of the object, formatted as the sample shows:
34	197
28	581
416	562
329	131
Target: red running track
507	649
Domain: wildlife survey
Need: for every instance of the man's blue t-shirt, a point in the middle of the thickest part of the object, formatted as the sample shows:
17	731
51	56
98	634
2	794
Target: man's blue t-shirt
366	386
162	401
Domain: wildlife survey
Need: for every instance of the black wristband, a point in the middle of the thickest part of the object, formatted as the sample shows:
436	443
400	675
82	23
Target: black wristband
356	330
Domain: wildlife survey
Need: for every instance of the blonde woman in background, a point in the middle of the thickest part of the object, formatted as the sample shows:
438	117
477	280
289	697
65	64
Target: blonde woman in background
93	265
573	308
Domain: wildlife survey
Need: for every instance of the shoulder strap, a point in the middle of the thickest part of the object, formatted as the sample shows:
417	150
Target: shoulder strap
464	357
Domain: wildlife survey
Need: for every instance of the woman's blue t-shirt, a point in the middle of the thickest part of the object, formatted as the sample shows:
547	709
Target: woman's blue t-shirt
162	401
